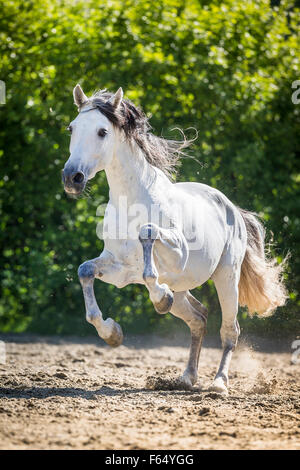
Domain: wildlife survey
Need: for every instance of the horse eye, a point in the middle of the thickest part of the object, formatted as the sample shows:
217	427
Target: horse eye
102	132
69	128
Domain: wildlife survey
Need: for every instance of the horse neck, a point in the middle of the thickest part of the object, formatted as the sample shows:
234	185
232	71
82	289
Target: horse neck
129	174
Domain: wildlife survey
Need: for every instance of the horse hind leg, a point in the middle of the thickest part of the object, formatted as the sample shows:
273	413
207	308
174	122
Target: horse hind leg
194	314
226	280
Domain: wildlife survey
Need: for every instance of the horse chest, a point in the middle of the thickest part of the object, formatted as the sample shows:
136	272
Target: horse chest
128	252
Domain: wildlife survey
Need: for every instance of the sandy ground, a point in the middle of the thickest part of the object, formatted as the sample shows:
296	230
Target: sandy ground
69	393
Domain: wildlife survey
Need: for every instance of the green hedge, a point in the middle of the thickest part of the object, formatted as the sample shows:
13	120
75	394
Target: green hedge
225	68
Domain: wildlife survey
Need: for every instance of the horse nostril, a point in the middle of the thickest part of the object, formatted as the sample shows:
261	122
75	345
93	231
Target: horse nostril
78	177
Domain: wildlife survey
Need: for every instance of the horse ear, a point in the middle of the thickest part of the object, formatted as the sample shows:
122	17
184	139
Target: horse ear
79	97
116	99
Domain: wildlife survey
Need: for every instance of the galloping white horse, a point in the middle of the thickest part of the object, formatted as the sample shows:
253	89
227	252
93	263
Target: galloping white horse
198	234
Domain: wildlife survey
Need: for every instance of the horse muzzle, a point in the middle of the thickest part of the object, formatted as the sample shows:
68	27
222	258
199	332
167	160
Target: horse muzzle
74	181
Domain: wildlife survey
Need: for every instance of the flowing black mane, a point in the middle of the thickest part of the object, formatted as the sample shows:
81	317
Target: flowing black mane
159	152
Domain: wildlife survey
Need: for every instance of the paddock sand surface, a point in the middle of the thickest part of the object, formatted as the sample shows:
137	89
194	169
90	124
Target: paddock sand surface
72	393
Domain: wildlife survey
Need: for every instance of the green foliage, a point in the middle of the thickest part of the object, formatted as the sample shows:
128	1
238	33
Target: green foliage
224	67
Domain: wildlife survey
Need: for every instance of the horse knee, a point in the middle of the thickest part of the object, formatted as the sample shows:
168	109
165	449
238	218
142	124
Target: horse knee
86	271
148	232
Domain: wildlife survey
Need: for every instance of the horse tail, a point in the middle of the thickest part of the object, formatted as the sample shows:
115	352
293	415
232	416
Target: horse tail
261	288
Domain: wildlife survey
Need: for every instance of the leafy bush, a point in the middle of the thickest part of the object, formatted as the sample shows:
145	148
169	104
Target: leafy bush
224	67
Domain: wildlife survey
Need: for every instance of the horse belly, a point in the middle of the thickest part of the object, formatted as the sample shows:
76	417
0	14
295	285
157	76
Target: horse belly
199	268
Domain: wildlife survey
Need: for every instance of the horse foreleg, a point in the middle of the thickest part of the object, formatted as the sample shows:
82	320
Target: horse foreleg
173	252
107	329
194	314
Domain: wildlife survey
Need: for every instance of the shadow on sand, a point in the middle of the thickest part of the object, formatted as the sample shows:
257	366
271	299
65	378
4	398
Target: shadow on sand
74	392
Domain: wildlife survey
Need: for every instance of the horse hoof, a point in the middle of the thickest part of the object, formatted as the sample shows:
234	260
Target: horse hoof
165	304
218	386
115	339
185	382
